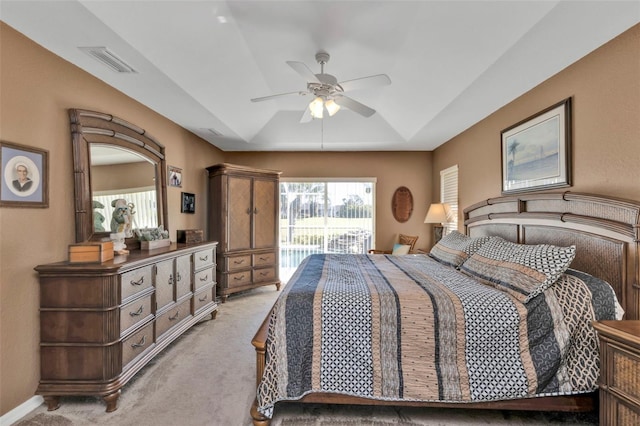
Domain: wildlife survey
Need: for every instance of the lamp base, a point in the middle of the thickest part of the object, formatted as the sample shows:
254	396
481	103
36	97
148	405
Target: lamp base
437	233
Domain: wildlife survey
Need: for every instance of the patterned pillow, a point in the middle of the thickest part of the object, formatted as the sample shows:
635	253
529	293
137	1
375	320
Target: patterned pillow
522	270
454	248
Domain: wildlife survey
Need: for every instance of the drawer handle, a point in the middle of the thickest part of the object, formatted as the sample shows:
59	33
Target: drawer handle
172	318
139	282
204	259
263	258
178	277
239	278
205	278
264	274
140	343
238	262
202	299
136	313
170	280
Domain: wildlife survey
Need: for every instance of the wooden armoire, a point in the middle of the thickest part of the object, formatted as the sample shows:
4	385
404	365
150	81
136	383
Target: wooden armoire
243	218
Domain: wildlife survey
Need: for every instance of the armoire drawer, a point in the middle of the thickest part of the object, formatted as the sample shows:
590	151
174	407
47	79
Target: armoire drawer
264	259
264	274
239	279
235	263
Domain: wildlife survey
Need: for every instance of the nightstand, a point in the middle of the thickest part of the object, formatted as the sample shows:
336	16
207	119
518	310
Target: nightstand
619	372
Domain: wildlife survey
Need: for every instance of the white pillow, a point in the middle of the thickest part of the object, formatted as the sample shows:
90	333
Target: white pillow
400	249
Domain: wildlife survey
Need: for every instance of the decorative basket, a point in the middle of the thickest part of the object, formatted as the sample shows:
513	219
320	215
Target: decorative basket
152	245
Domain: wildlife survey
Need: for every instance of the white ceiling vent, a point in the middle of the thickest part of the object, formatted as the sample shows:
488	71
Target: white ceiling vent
108	58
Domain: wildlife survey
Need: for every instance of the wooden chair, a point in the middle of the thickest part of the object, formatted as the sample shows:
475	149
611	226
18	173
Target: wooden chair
409	240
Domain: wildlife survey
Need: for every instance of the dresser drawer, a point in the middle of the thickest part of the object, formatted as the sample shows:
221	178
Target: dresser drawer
172	317
134	312
135	281
235	263
238	279
203	278
626	372
264	259
136	344
202	259
203	298
264	274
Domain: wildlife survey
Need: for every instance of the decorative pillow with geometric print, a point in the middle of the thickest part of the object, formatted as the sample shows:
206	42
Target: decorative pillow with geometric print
522	270
454	248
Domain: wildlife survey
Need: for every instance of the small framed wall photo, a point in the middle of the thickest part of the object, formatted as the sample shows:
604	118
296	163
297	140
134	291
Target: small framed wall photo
536	152
188	203
175	176
24	175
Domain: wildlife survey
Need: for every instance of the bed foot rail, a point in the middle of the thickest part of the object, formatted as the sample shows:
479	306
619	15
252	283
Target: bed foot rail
258	418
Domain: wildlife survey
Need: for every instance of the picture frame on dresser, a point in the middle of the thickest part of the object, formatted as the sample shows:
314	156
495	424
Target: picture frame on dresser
24	176
536	152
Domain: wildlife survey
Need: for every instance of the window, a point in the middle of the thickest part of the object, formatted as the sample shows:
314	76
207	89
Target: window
322	215
449	195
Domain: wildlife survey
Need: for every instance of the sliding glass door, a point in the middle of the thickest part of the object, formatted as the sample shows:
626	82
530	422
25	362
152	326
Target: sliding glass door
324	216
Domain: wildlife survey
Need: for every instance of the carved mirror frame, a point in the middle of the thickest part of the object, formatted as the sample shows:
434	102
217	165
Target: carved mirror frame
89	127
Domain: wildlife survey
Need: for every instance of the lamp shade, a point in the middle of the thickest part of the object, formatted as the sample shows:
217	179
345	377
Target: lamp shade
332	107
316	106
438	213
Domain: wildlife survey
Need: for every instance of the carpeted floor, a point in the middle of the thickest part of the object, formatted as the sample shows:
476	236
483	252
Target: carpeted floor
207	377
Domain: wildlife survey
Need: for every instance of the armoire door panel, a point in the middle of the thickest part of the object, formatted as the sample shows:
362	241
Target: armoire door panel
264	226
240	213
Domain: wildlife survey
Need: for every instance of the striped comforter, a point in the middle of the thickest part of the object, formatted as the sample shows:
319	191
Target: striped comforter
408	328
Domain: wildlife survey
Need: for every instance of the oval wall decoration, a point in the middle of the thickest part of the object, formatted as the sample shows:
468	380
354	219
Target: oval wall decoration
402	204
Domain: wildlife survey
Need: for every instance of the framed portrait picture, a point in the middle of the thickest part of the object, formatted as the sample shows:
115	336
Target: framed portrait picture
24	174
175	176
188	203
536	152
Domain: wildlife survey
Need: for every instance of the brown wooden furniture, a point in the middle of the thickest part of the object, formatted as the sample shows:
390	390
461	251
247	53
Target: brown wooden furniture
101	323
606	232
619	372
243	218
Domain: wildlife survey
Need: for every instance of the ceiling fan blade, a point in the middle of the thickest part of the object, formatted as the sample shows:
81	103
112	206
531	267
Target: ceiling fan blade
266	98
353	105
302	69
306	117
365	82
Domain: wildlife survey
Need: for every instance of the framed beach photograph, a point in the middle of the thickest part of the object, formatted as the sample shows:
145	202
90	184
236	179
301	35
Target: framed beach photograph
188	203
24	174
536	152
175	176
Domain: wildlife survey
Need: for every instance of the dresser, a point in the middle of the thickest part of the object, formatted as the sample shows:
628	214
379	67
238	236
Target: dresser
243	217
619	372
101	323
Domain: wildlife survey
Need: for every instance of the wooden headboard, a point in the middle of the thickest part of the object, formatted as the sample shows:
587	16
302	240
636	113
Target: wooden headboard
605	230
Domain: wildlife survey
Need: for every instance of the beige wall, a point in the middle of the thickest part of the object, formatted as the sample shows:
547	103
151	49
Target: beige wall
605	87
391	169
37	88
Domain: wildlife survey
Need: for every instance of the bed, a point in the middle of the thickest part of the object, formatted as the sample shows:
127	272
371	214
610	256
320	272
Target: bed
497	318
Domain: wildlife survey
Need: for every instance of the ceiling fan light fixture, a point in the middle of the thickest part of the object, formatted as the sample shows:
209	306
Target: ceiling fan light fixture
332	107
316	107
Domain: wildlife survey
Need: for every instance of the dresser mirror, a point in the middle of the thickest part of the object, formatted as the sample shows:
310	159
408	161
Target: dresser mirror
114	159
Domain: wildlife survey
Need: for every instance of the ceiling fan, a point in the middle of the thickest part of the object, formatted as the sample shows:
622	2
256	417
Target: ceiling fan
328	93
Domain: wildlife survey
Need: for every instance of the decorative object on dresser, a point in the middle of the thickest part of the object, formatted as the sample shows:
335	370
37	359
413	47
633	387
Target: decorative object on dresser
243	218
619	372
91	252
101	323
190	236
